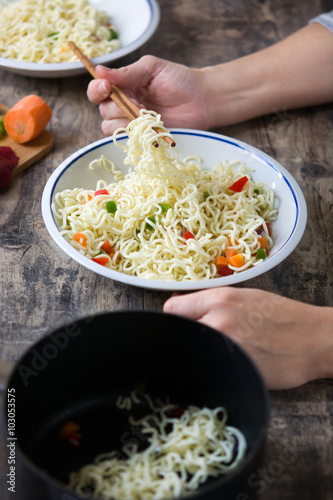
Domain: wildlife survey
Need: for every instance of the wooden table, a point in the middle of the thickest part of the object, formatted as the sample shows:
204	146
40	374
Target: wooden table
42	288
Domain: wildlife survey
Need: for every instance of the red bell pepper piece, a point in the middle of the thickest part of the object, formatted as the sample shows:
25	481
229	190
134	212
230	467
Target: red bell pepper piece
224	270
101	191
101	260
177	412
238	185
261	230
222	267
188	235
107	247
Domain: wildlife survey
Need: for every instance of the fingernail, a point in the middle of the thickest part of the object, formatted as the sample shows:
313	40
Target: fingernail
102	88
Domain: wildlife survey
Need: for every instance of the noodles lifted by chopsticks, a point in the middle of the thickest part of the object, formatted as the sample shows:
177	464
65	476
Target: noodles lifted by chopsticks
144	218
180	455
38	30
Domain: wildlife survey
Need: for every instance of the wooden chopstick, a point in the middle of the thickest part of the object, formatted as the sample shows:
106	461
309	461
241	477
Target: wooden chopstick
130	110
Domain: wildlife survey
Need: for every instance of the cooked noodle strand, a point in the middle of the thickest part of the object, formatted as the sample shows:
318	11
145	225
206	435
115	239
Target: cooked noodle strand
159	200
180	455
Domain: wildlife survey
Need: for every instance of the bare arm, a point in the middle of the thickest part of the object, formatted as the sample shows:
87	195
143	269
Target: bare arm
293	73
291	342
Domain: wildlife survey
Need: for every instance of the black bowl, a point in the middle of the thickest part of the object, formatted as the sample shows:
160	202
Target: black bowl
78	371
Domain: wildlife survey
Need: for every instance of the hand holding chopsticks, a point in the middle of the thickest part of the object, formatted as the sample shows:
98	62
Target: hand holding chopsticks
130	110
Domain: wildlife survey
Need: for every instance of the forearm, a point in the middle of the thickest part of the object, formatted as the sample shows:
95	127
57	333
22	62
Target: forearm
293	73
323	355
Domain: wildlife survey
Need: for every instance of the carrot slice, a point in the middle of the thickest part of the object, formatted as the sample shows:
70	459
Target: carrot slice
27	118
237	260
222	266
87	198
68	429
221	261
230	242
81	239
230	252
263	242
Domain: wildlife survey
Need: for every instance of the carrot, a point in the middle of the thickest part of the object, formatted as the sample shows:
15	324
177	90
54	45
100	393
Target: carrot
263	242
230	252
81	239
27	118
221	261
237	260
68	429
222	266
230	242
87	198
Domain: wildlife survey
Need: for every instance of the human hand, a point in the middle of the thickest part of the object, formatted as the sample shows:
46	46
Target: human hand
290	342
174	91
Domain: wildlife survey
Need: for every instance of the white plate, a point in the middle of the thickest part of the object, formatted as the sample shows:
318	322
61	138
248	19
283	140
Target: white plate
287	230
135	21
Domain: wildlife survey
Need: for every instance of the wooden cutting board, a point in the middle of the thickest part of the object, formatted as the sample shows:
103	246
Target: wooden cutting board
30	152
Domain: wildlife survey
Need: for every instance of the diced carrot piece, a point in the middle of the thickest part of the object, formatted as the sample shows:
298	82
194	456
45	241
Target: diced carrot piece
237	260
221	261
27	118
230	242
263	242
222	266
87	198
230	252
68	429
107	247
81	239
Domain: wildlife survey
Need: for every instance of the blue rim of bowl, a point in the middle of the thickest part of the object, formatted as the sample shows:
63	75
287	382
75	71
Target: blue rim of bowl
298	227
103	59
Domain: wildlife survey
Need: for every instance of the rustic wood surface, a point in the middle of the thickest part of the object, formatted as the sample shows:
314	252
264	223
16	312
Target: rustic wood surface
42	288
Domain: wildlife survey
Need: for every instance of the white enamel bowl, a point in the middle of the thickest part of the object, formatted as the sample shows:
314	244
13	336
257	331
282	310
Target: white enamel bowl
287	230
135	21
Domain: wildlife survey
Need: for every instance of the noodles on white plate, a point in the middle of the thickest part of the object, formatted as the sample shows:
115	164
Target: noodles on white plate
168	219
183	450
38	30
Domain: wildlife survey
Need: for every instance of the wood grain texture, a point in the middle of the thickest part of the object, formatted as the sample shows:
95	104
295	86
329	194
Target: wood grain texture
41	288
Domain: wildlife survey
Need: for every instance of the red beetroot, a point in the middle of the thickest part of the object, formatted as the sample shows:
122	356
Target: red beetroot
8	161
